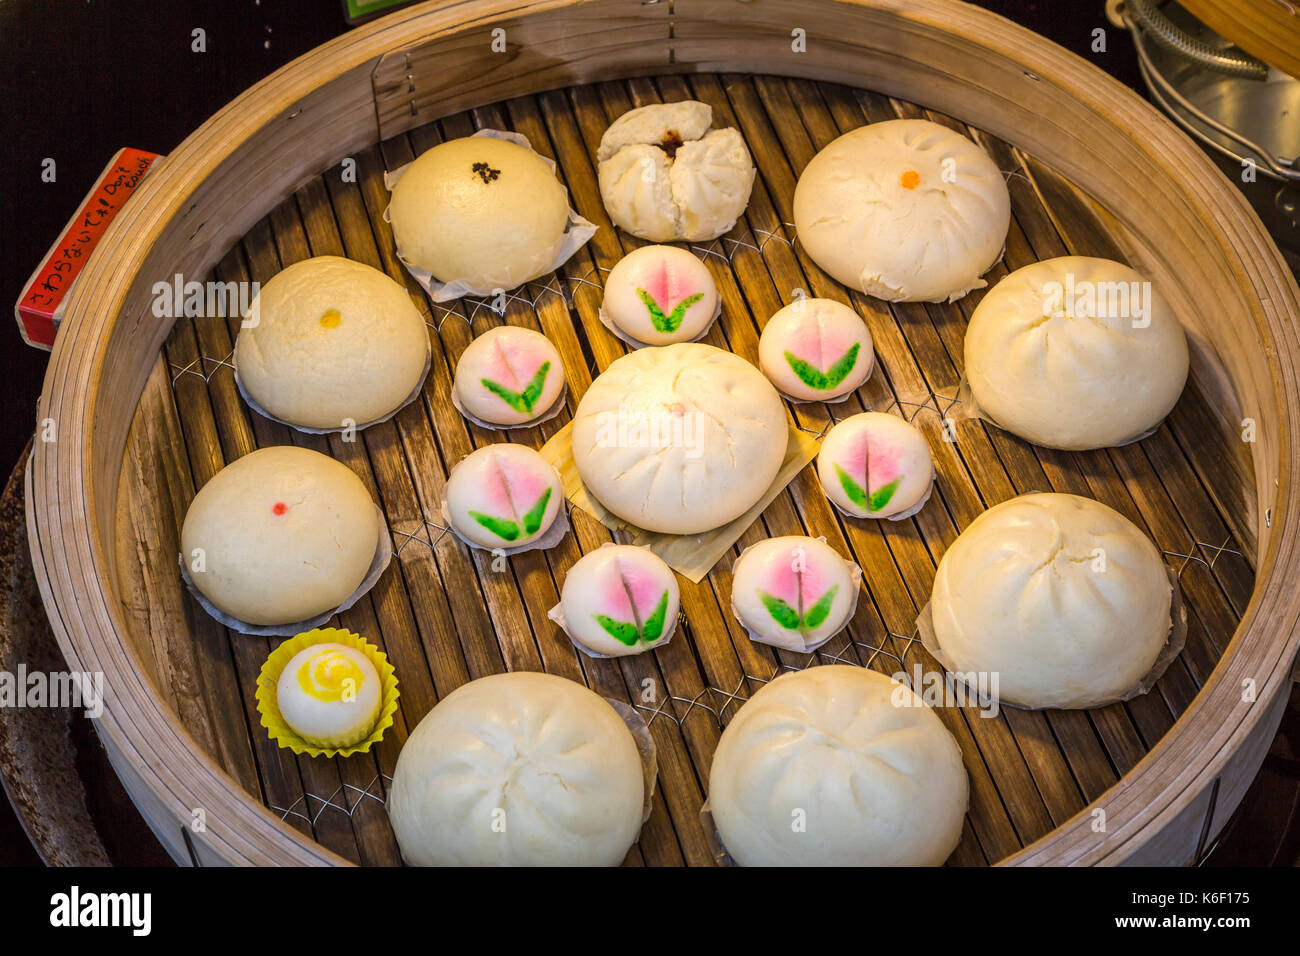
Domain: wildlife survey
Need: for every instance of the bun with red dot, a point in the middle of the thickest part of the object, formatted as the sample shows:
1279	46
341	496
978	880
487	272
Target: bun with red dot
279	536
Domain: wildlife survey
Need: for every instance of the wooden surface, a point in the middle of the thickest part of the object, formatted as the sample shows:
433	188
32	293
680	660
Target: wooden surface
445	615
1183	224
1268	29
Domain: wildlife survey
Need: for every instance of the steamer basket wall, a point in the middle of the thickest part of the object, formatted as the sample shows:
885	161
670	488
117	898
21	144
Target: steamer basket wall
1103	171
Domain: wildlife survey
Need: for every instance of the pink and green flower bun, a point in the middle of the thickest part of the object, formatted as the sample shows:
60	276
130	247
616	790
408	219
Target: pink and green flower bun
503	496
816	350
619	600
793	592
508	376
659	295
875	465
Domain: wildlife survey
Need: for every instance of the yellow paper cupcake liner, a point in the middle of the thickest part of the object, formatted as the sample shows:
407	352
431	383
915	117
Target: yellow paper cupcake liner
269	677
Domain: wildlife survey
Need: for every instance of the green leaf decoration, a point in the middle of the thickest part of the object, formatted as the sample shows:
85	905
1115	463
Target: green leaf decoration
654	624
533	519
522	402
832	377
781	612
503	528
622	631
857	494
673	321
880	497
816	614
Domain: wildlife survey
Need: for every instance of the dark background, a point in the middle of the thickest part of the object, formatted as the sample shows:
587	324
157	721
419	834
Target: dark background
82	78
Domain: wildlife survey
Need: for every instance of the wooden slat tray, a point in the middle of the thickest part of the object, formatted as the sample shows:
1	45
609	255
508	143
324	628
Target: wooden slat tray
445	614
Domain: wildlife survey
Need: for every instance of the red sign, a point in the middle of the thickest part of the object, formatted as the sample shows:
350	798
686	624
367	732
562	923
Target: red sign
40	308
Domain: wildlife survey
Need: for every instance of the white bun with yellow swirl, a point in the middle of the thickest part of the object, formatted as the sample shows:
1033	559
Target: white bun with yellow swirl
330	695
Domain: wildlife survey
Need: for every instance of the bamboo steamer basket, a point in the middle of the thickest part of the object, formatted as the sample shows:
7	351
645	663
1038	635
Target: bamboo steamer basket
138	410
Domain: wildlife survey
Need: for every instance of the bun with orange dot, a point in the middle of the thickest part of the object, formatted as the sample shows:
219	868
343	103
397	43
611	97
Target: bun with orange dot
905	210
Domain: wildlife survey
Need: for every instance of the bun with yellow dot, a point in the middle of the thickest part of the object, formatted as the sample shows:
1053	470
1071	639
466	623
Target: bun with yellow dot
329	695
905	210
329	343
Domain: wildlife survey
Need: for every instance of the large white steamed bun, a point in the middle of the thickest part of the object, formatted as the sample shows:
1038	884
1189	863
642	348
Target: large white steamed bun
905	210
1075	353
1060	596
679	439
837	766
518	769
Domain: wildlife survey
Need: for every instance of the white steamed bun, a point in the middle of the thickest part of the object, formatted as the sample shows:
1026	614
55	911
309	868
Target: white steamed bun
837	766
1075	353
330	341
280	535
481	211
1060	596
679	439
905	210
518	769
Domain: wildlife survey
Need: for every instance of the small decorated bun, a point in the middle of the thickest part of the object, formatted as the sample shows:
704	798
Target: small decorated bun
518	769
620	600
665	176
503	496
659	295
875	465
679	439
509	376
793	592
869	770
905	210
280	536
816	350
329	342
1075	353
1061	597
329	695
482	211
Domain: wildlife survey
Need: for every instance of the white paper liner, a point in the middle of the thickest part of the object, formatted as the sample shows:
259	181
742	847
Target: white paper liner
383	555
609	323
549	539
966	408
415	393
901	516
645	746
556	614
1173	646
855	574
576	234
556	407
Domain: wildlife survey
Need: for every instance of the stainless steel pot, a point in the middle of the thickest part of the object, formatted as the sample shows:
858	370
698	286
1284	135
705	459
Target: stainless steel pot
1246	113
